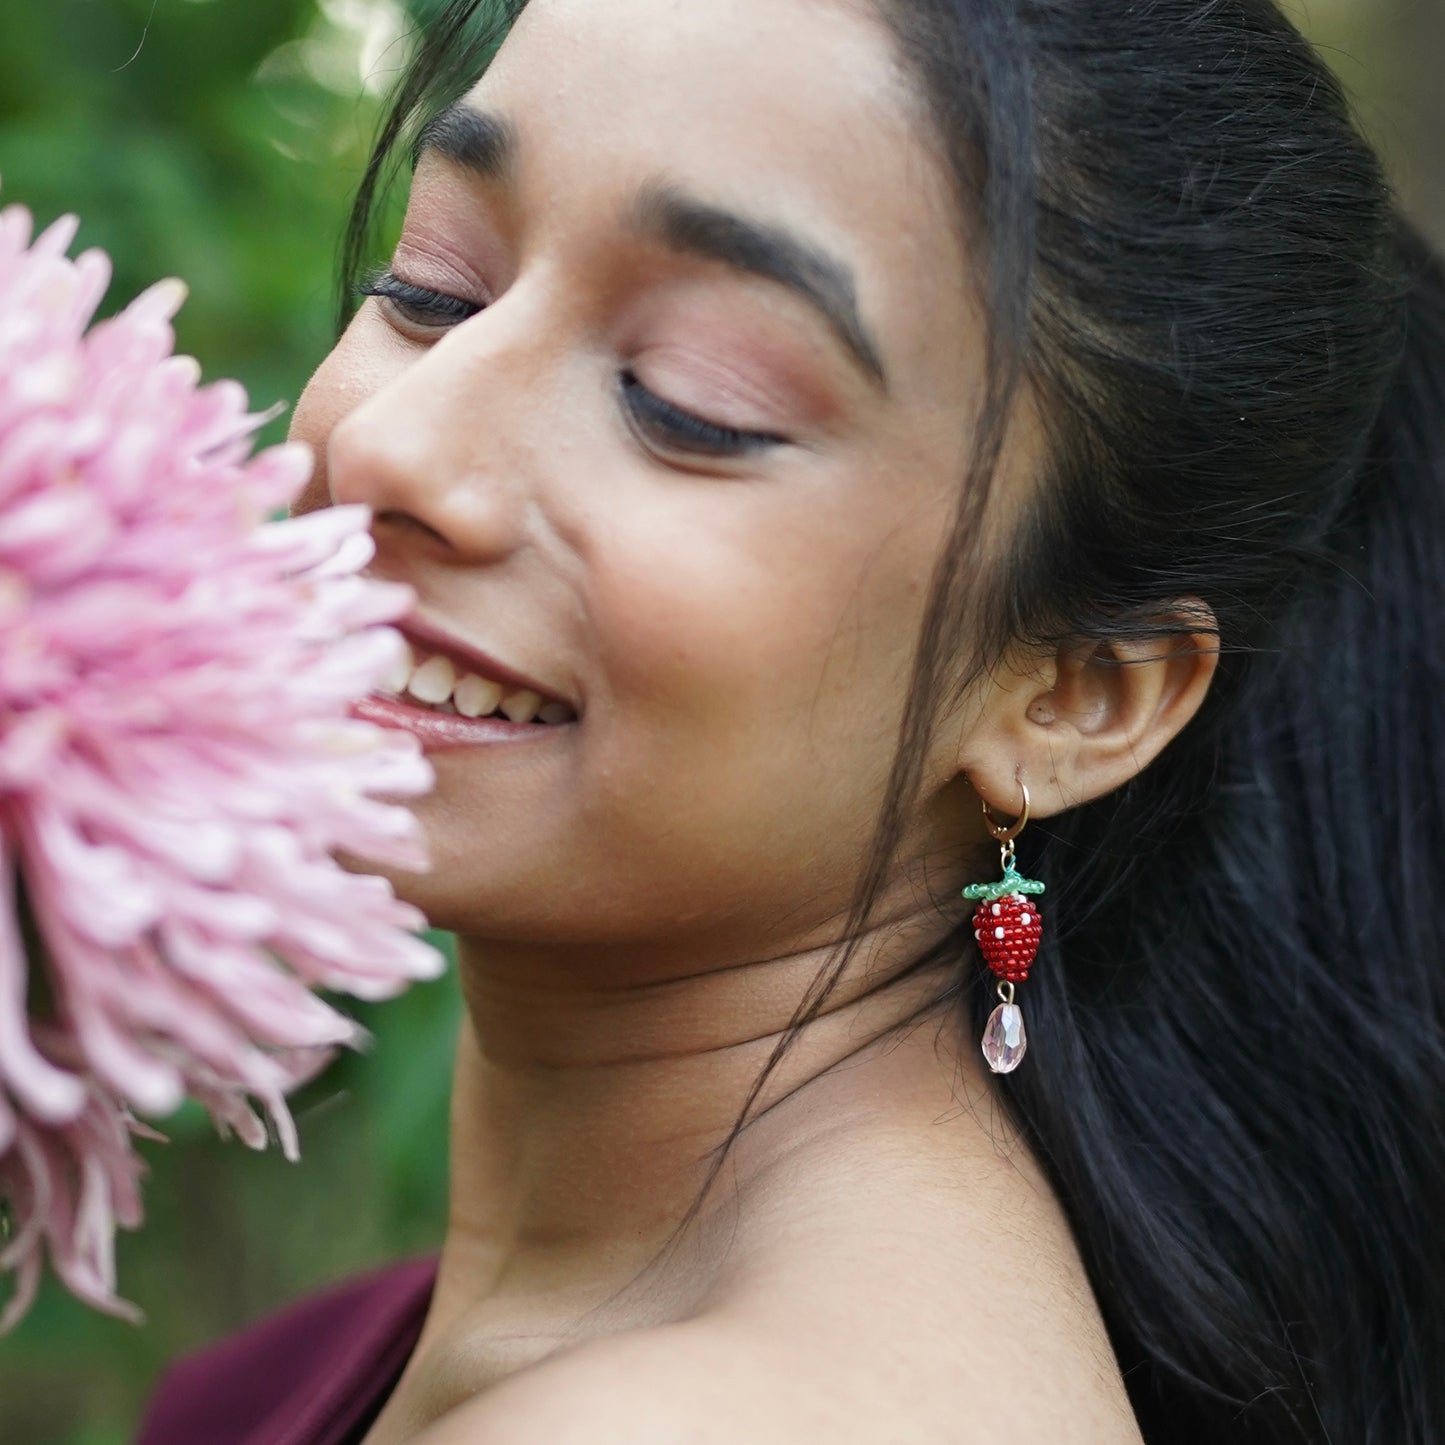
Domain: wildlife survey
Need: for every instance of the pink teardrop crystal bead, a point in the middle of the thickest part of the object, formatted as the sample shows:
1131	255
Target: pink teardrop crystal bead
1004	1040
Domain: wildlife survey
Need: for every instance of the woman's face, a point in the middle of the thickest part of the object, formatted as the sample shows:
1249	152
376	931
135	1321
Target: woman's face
684	456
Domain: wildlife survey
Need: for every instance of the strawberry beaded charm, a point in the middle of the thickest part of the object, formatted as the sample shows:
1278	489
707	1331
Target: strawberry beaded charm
1008	928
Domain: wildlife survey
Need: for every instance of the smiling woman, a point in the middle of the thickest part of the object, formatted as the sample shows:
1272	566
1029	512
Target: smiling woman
815	435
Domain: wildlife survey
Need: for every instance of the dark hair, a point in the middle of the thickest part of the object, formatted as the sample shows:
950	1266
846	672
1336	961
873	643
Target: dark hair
1237	1070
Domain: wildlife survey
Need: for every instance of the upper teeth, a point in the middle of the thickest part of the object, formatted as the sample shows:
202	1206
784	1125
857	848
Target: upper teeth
474	696
435	680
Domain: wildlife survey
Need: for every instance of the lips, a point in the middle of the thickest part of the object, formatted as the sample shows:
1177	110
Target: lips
439	732
456	696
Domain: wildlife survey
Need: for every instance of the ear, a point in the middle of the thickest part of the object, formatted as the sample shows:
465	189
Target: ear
1079	723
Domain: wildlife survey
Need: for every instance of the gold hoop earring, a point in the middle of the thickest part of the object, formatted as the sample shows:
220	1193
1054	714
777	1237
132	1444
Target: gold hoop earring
1009	833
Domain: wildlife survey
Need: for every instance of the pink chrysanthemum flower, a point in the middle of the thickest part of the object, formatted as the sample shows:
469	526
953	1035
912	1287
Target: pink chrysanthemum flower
177	763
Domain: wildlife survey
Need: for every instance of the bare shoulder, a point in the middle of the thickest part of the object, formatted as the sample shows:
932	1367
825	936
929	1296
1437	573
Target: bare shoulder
681	1384
711	1381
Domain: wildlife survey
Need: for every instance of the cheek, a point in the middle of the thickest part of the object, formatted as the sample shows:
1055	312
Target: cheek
751	659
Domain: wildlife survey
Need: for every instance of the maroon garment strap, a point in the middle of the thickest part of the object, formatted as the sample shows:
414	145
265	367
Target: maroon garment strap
310	1374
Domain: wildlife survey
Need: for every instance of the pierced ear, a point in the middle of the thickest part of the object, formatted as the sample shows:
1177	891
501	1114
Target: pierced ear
1093	715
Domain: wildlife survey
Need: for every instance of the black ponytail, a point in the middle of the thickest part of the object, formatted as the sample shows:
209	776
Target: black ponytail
1243	1100
1236	1071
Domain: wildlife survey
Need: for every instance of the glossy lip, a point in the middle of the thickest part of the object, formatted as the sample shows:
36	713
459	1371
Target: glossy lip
439	731
433	639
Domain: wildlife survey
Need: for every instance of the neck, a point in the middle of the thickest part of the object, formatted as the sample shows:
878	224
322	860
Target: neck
591	1087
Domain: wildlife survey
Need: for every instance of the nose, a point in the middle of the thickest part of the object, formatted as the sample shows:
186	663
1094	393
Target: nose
437	449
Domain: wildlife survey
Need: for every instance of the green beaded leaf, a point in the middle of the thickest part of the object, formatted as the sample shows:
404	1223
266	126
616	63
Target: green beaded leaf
1012	882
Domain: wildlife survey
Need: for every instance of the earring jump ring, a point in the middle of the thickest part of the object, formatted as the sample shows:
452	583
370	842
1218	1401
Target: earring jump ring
1007	833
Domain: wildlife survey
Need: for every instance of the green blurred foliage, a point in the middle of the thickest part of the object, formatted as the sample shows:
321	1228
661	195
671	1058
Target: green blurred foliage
220	140
1391	56
197	138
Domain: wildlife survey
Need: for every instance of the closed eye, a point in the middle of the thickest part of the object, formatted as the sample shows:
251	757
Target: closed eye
666	425
418	305
682	431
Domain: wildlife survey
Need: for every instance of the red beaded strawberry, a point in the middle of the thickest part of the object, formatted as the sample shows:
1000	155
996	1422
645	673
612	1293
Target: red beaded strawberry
1007	923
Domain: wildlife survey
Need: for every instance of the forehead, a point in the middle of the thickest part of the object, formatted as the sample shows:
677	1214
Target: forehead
797	111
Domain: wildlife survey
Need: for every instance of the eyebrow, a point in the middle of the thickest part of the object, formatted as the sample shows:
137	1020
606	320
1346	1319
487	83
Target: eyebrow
486	144
764	249
477	140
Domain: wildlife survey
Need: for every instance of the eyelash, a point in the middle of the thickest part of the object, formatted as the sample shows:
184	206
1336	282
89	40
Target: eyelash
417	304
682	430
679	429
